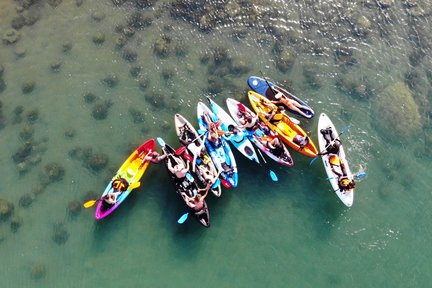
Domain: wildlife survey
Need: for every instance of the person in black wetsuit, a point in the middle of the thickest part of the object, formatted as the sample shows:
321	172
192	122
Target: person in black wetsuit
332	144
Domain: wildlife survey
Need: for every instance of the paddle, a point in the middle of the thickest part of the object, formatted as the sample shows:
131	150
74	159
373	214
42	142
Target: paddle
272	174
331	143
183	218
357	176
91	203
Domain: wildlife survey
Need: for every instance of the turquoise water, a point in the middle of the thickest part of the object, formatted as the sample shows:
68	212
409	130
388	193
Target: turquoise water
342	57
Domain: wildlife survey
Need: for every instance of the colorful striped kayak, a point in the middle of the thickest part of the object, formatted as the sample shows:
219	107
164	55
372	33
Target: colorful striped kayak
291	133
346	196
131	171
239	141
221	155
259	134
189	137
261	86
187	185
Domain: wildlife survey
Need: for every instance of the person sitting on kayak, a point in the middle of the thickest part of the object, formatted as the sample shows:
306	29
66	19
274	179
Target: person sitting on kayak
197	202
338	168
154	157
290	103
247	119
276	115
208	173
186	135
212	127
177	167
118	186
332	144
234	133
275	145
346	184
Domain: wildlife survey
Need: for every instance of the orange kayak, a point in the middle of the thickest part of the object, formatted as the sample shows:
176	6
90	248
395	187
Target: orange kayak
289	132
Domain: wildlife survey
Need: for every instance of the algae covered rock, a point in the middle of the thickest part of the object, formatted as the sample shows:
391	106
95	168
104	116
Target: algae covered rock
396	111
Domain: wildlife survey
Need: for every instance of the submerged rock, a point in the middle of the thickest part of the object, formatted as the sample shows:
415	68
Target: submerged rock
100	110
26	200
28	86
398	113
54	172
15	223
38	271
155	99
98	38
162	46
6	209
97	161
74	208
60	234
11	36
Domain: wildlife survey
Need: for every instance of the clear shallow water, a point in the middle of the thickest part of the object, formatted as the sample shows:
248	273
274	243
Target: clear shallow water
291	233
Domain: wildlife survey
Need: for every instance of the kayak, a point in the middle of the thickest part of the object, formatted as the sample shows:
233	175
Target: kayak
261	86
221	154
346	196
259	134
240	141
131	170
186	184
292	134
189	137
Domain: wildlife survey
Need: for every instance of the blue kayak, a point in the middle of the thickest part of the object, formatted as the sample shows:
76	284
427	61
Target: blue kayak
221	154
260	86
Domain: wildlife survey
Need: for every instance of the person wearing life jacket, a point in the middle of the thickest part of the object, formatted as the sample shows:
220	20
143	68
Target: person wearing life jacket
118	186
346	184
335	165
338	168
276	115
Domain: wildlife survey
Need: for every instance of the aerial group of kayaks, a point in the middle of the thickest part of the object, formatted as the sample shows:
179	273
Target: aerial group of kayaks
205	162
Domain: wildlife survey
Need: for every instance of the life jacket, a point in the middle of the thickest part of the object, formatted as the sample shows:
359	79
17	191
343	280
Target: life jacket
120	184
334	160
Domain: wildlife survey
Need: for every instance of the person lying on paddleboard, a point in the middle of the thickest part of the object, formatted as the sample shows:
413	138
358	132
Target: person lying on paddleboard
290	103
331	144
197	202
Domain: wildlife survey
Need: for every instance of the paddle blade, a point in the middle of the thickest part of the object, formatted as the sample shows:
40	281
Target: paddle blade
135	185
90	203
188	157
160	141
360	176
183	218
225	183
180	150
294	120
273	176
